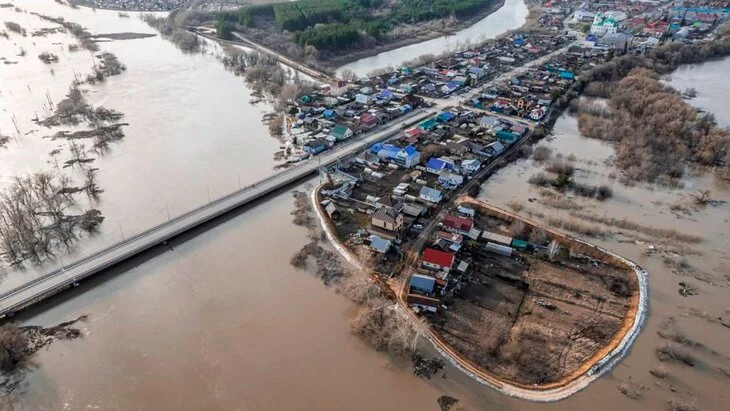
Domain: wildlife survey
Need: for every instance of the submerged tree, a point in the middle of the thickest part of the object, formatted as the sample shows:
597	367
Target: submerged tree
37	216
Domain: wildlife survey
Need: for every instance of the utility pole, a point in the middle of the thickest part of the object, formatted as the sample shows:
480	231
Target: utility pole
168	211
121	230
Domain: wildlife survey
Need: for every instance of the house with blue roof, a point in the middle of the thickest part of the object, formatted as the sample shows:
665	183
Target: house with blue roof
379	244
435	165
329	113
449	179
431	195
385	94
316	146
388	152
422	283
449	87
408	157
445	117
471	165
476	71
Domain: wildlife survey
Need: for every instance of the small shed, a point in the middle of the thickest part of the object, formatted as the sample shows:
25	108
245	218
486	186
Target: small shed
379	244
499	249
520	244
497	238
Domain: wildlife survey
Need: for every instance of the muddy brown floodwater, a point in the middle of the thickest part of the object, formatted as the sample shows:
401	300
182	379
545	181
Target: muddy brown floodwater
221	320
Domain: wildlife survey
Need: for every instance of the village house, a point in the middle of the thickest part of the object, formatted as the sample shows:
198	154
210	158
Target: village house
388	219
436	165
437	260
341	132
379	244
470	165
431	195
423	303
451	238
364	99
489	123
603	25
615	41
316	146
449	179
421	283
368	120
457	224
408	157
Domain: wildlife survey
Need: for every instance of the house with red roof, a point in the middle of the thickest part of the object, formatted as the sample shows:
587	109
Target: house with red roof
368	120
437	260
457	224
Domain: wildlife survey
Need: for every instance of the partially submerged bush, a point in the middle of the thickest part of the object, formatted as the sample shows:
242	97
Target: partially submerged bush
542	153
670	352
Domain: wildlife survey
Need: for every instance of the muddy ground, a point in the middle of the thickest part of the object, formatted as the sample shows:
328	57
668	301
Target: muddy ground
531	320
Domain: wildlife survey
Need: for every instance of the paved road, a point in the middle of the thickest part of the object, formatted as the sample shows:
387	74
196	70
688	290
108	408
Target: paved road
56	281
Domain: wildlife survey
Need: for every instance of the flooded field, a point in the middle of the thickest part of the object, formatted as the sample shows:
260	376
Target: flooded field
639	222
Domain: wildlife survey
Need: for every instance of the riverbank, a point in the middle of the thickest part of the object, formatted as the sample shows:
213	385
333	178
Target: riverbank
332	65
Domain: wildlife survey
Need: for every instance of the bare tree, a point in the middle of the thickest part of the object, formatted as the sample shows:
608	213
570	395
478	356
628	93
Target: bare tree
553	250
348	75
702	197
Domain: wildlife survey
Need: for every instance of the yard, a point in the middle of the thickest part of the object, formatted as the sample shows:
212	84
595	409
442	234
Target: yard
531	320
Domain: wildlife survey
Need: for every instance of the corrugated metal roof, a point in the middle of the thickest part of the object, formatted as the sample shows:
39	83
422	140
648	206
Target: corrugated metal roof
499	249
497	238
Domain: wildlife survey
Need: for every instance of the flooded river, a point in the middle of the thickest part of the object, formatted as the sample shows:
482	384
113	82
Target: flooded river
191	133
221	320
510	16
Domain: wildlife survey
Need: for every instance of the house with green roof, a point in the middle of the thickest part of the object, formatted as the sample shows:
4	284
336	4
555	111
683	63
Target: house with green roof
603	25
428	125
341	132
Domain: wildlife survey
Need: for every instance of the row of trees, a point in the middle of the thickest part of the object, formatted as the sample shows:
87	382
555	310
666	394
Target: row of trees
329	37
295	16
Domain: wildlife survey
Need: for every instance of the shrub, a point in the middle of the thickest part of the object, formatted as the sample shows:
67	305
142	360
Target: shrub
669	352
541	154
604	192
561	168
541	179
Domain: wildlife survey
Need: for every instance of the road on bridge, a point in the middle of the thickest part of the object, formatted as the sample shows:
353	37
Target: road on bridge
70	274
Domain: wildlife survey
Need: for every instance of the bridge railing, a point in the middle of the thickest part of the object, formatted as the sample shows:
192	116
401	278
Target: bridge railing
304	168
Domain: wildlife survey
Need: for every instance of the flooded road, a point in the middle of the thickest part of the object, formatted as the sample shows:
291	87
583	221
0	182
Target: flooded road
221	320
510	16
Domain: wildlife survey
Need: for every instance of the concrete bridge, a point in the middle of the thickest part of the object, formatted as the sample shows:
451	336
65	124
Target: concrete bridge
58	280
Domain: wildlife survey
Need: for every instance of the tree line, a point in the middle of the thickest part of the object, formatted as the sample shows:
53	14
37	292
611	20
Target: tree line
332	24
